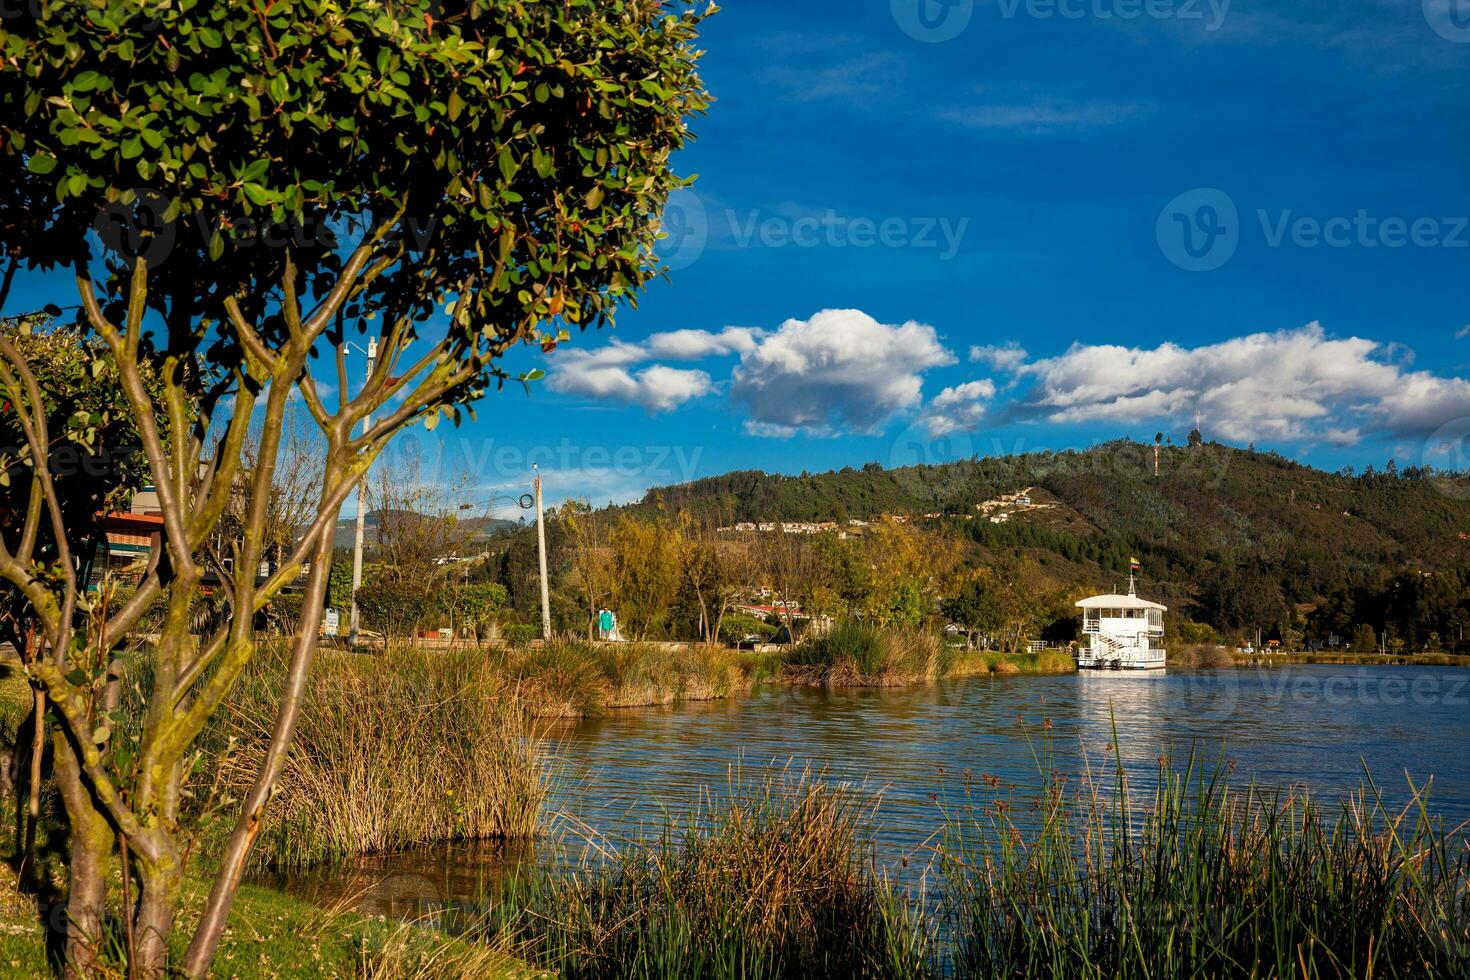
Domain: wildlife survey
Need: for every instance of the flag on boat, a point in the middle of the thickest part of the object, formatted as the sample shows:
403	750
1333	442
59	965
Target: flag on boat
1134	566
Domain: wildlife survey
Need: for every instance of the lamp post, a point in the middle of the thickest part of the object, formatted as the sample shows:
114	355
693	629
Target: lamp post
541	550
367	424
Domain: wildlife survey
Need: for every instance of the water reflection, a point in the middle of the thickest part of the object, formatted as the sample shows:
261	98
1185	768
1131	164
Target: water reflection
623	776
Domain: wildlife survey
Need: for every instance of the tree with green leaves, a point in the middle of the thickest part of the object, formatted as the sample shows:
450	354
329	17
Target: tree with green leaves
645	564
91	462
976	609
452	177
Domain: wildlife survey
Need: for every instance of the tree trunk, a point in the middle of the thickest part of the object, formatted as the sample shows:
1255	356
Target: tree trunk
216	913
154	921
91	851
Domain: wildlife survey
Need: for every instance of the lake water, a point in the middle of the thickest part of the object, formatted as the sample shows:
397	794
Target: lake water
621	776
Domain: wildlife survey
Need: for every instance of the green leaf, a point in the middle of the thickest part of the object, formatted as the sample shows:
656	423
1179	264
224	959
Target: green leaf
41	163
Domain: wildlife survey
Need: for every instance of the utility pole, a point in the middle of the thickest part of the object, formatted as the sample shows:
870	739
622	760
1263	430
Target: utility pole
541	548
367	424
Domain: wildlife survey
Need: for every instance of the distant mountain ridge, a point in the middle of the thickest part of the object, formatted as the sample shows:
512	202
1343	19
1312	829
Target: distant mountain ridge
1215	517
474	529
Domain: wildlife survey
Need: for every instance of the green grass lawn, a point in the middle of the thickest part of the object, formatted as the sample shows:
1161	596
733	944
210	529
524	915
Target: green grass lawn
272	935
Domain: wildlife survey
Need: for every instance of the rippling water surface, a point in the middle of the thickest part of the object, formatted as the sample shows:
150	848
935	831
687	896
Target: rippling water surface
621	776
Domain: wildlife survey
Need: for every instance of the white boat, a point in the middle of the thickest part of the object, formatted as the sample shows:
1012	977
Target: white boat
1124	632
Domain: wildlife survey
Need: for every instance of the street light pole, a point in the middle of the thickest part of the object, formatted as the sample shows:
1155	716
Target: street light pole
541	548
367	424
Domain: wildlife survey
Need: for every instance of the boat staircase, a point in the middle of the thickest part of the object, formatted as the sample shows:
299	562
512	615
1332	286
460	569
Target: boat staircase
1105	647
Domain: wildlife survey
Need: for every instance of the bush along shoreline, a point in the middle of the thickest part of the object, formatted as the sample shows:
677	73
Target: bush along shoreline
857	654
780	878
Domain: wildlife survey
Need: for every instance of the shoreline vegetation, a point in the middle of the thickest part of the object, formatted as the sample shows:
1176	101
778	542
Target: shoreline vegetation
1206	656
780	876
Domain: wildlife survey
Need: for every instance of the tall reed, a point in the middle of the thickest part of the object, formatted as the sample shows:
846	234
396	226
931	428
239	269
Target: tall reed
772	881
404	748
1205	882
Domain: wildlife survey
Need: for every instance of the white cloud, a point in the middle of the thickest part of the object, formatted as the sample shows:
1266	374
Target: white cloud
958	409
609	373
661	387
1005	358
840	370
1463	332
693	345
1289	385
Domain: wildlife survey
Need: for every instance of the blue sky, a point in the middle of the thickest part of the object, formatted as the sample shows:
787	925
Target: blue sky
940	227
1025	169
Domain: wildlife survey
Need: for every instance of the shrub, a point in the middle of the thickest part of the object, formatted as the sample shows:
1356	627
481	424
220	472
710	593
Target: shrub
284	612
857	653
473	605
735	628
851	640
391	609
520	635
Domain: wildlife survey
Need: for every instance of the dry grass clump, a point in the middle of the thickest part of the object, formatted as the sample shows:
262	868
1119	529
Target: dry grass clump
770	882
404	748
575	678
859	654
1201	655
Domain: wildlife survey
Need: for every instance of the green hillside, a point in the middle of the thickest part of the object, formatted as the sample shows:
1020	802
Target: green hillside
1229	536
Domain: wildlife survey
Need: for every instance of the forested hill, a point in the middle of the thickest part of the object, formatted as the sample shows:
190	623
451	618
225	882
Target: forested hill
1216	518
